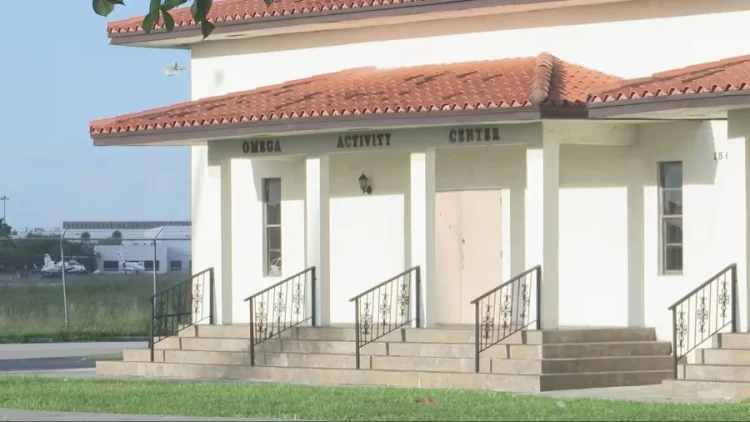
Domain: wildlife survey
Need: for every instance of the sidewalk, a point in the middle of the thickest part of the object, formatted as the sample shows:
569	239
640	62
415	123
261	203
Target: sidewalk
33	415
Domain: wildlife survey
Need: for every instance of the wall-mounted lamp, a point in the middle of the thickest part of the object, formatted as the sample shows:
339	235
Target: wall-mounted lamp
364	184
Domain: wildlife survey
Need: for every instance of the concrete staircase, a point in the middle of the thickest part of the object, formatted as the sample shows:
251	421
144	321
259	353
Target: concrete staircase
720	371
527	361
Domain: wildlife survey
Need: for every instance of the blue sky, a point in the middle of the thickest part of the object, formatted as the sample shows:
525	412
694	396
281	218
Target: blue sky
58	73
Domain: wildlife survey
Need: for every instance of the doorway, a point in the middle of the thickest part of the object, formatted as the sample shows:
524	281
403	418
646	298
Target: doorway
468	251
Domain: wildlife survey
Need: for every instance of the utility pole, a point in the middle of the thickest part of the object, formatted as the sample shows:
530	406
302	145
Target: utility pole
4	199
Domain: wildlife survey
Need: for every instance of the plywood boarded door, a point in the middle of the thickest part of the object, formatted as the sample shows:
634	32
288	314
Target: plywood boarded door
468	237
448	257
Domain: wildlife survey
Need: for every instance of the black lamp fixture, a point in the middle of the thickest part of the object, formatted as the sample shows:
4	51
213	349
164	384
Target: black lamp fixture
364	184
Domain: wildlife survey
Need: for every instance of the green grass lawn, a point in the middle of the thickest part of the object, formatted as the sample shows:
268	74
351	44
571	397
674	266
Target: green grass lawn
100	307
331	403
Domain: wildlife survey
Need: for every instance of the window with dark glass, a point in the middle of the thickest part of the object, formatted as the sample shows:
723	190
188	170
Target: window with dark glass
149	265
110	265
175	265
272	225
670	216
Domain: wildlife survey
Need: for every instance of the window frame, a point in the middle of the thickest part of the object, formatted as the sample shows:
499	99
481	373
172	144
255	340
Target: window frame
663	217
110	265
266	244
148	265
173	267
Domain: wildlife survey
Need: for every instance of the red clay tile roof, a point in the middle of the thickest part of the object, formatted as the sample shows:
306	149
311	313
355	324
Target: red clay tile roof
236	10
507	83
732	74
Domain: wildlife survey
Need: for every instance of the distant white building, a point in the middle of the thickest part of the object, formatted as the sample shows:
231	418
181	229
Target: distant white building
163	244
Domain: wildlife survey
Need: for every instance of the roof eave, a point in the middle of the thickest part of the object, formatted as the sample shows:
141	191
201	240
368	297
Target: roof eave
180	35
622	108
279	127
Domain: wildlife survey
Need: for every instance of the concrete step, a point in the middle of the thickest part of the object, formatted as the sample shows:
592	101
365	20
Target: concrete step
347	333
723	356
394	378
702	390
513	351
731	341
412	363
524	366
550	382
636	348
453	334
606	364
598	335
316	360
704	372
348	347
323	376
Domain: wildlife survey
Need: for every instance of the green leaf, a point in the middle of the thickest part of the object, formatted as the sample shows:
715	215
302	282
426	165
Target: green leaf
171	4
168	20
268	2
150	20
206	28
155	5
103	7
200	9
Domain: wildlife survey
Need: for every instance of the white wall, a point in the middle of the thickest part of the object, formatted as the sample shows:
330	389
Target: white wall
609	228
368	232
713	203
248	267
630	47
608	243
609	233
594	224
594	255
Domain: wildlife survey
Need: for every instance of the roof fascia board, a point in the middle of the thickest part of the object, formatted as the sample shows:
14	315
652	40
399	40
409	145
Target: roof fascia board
316	18
639	106
190	135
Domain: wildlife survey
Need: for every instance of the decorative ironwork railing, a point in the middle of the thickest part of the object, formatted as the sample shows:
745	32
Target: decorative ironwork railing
181	306
506	310
704	312
386	308
285	305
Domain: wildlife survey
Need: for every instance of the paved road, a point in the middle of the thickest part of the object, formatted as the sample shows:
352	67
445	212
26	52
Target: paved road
45	364
59	350
32	415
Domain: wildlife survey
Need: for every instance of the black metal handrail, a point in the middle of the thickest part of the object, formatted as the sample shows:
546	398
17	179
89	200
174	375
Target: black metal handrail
505	310
393	301
709	316
284	304
181	306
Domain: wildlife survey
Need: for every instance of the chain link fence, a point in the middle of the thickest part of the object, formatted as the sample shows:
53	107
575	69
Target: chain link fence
78	287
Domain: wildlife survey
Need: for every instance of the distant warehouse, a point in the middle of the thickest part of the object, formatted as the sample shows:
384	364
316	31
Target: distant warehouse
143	245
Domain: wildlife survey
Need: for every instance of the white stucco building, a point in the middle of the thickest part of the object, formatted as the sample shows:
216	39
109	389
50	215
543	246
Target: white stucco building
494	136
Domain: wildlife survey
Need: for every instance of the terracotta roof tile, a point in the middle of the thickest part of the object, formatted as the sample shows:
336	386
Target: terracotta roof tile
517	82
236	10
732	74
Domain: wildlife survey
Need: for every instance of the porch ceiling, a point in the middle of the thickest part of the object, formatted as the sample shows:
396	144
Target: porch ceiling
519	89
702	91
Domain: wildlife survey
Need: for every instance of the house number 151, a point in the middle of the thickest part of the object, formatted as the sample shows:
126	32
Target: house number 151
721	156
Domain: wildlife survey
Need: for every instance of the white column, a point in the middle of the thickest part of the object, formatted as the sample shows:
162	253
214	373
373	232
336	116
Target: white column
205	192
517	228
738	135
223	283
317	199
422	224
542	221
